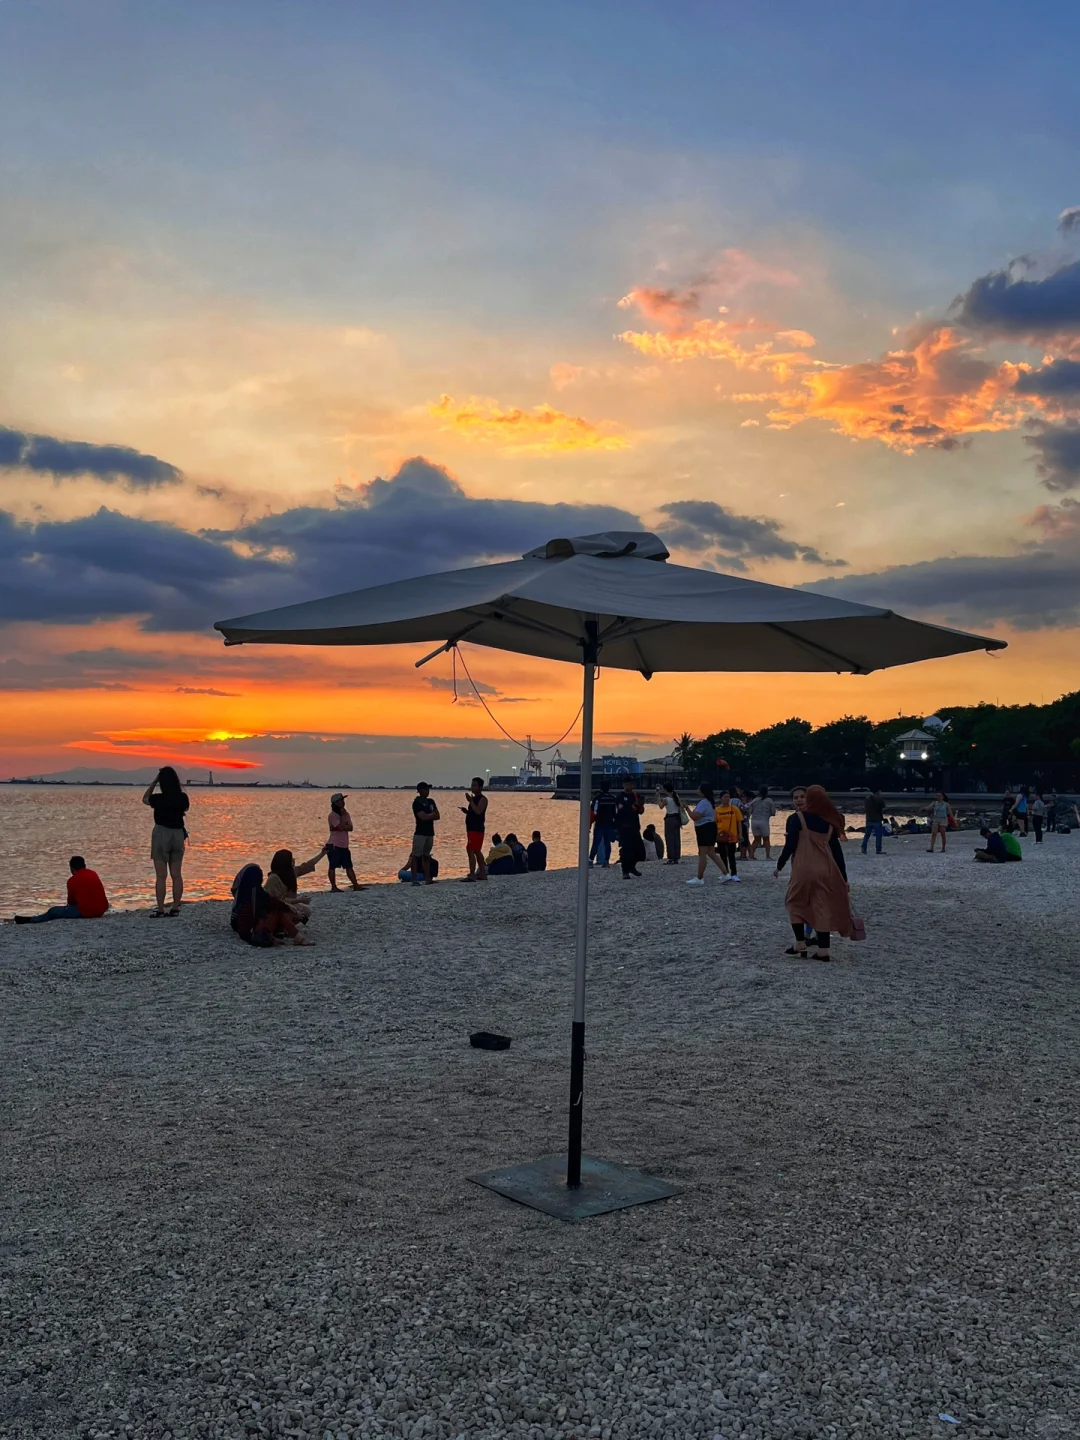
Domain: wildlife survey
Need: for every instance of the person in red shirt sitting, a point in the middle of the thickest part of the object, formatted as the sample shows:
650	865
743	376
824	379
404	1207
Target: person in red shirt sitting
86	899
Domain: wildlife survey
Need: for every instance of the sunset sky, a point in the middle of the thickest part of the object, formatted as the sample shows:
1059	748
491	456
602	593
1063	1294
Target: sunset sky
301	297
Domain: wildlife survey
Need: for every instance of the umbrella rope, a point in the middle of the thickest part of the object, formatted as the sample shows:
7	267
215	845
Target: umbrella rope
537	749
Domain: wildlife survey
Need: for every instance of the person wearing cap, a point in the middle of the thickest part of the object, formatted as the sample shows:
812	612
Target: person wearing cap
337	847
425	813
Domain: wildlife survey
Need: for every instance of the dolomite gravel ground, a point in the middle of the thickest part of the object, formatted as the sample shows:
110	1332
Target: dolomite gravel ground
234	1201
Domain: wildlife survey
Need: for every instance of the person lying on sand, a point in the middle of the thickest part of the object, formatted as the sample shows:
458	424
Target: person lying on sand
86	899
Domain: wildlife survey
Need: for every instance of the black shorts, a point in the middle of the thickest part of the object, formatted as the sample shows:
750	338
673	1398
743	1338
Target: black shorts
706	836
339	856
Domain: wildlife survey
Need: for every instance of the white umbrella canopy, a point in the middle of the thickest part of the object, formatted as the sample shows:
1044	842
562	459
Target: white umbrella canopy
650	616
607	599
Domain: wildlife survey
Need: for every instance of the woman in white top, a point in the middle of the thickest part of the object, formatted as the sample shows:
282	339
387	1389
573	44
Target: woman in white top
940	815
703	815
673	821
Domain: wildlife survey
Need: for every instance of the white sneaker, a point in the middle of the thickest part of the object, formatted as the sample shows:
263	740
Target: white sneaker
735	879
695	881
724	879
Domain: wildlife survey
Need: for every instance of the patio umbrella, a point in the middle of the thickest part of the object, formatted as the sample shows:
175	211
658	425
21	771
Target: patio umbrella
610	599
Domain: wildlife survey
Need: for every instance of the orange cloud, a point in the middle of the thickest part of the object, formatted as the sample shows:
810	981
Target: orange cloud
933	394
540	431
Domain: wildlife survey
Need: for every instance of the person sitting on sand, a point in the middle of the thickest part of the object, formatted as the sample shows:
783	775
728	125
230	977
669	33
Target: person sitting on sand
500	858
995	852
405	874
1011	841
537	852
520	856
281	882
256	917
652	843
86	899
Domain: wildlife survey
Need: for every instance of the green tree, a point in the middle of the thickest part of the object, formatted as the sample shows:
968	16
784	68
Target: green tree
687	751
780	754
838	750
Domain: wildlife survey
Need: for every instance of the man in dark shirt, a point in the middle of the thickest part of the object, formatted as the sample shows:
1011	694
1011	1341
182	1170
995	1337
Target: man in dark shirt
537	852
605	832
475	812
875	820
425	813
628	811
995	852
86	899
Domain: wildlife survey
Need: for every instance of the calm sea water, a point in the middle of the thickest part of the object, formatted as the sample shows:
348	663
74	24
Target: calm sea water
41	826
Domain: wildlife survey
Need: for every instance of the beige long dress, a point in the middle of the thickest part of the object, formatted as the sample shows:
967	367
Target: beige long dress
817	893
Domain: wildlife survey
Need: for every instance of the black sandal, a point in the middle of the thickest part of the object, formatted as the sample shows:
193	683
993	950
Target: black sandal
826	956
791	950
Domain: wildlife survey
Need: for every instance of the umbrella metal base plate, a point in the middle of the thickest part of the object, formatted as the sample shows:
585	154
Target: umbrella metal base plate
541	1184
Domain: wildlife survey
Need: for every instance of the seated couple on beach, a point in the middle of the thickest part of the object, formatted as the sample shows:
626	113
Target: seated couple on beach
506	857
86	899
271	913
1001	847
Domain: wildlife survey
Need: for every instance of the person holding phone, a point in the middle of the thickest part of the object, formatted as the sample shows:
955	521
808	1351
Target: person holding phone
170	806
338	853
475	812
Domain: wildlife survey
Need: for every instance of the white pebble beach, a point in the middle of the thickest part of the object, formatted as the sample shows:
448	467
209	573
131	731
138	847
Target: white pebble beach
235	1199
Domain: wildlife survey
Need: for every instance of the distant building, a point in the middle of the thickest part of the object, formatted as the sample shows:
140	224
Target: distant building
916	746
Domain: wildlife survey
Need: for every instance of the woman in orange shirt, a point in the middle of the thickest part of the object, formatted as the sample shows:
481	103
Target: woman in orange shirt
728	833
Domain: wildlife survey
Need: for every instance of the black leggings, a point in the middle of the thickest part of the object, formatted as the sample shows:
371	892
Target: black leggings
1036	820
727	852
673	836
823	936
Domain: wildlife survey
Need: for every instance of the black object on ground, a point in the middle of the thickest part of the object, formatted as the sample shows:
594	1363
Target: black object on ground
487	1040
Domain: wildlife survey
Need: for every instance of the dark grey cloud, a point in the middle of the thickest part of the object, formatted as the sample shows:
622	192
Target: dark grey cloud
1034	589
1006	303
106	565
702	525
51	674
112	658
1059	381
199	690
66	459
1057	449
419	521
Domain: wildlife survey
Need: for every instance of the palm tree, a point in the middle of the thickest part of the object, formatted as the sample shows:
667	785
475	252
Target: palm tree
685	750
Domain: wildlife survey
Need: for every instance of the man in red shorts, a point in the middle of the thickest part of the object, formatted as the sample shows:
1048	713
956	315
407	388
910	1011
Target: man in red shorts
475	812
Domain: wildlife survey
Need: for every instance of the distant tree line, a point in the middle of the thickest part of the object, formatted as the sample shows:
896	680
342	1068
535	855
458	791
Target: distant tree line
983	745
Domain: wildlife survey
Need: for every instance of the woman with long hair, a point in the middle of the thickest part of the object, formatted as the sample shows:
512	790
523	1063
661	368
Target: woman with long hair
703	818
282	880
258	918
170	806
817	893
940	815
671	805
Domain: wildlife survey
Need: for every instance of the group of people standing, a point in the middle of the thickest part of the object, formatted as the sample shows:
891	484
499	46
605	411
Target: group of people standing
726	829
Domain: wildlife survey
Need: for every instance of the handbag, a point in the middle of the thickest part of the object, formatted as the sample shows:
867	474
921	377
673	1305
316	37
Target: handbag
858	928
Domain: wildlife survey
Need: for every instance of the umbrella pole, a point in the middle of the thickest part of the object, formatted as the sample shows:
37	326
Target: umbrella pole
577	1041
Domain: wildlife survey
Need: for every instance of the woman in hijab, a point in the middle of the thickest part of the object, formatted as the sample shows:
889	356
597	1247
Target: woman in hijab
817	893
